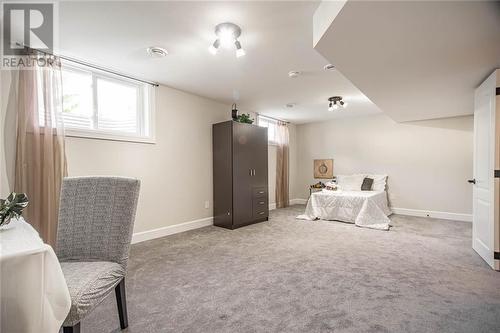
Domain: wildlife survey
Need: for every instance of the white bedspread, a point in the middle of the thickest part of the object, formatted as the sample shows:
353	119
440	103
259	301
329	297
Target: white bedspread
367	209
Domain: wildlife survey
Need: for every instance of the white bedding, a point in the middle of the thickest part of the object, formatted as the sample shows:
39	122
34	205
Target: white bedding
367	209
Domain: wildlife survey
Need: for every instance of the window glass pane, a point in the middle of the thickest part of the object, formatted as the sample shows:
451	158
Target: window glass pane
95	102
116	106
271	128
77	99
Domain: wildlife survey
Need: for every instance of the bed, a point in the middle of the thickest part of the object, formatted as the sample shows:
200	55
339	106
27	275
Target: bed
368	209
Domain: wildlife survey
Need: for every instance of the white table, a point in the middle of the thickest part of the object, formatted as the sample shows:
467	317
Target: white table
34	296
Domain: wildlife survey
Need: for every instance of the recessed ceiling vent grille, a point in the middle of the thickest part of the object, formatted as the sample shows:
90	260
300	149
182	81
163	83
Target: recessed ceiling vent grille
156	51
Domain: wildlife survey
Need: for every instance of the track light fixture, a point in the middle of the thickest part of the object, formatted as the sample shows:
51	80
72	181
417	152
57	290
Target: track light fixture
335	102
227	36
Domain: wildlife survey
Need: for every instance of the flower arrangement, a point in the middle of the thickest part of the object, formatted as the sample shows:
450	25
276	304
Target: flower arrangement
12	207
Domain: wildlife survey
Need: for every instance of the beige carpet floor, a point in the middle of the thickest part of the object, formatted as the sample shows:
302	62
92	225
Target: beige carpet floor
288	275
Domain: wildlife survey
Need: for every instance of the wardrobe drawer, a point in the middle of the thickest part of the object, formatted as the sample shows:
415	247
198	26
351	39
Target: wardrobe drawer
260	207
260	213
260	204
259	192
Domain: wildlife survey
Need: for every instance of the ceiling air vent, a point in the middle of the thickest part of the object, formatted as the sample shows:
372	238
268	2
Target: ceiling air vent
156	51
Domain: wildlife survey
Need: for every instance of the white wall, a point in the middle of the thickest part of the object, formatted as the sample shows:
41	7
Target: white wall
428	162
175	173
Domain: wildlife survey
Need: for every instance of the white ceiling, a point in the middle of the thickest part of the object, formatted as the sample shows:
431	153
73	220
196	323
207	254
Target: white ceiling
277	36
416	59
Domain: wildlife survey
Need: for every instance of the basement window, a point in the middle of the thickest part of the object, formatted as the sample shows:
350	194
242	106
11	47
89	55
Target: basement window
101	105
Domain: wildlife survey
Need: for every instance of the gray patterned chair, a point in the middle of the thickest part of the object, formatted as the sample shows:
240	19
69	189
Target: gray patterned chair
96	219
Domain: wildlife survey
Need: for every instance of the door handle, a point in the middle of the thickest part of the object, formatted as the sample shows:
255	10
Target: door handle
472	181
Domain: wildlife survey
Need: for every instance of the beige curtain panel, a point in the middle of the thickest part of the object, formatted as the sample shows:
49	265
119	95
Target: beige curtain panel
40	155
282	166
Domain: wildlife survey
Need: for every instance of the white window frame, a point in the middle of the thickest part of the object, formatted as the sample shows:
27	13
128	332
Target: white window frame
268	120
145	108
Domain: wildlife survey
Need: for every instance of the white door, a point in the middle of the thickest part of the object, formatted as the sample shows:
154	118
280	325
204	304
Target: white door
484	152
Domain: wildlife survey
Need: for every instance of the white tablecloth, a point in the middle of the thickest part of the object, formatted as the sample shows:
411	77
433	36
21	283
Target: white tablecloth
366	209
34	296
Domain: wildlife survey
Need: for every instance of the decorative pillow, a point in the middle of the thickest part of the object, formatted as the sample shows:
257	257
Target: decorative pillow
367	184
350	183
379	182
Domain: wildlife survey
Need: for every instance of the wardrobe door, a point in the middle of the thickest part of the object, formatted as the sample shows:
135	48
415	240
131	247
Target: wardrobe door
222	173
259	157
243	150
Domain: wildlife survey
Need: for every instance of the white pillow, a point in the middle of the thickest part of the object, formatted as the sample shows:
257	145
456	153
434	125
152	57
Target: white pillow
379	182
351	182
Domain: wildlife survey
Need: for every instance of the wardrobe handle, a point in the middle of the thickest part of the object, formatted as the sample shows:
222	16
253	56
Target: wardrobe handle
250	172
254	172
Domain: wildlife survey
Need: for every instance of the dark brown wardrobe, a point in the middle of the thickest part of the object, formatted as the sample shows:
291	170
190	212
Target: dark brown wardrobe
241	195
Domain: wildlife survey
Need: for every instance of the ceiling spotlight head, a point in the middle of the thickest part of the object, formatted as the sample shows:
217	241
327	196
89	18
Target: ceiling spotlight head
329	67
239	51
214	47
293	74
330	107
157	51
289	105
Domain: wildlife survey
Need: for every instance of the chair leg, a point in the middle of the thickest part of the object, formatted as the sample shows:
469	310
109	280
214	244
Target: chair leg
72	329
121	301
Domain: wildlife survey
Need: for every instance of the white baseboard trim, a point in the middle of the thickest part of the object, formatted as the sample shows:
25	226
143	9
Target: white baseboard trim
292	202
434	214
171	229
298	201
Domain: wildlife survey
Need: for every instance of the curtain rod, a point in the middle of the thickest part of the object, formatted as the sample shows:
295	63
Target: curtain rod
87	64
263	115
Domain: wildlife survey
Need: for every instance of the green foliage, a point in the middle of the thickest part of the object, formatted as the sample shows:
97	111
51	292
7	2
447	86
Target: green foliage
12	207
244	118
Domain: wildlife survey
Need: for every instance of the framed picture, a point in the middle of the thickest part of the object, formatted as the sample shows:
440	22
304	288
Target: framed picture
323	169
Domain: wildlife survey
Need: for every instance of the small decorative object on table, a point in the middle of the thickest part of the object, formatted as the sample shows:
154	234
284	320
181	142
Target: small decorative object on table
12	207
316	187
332	186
